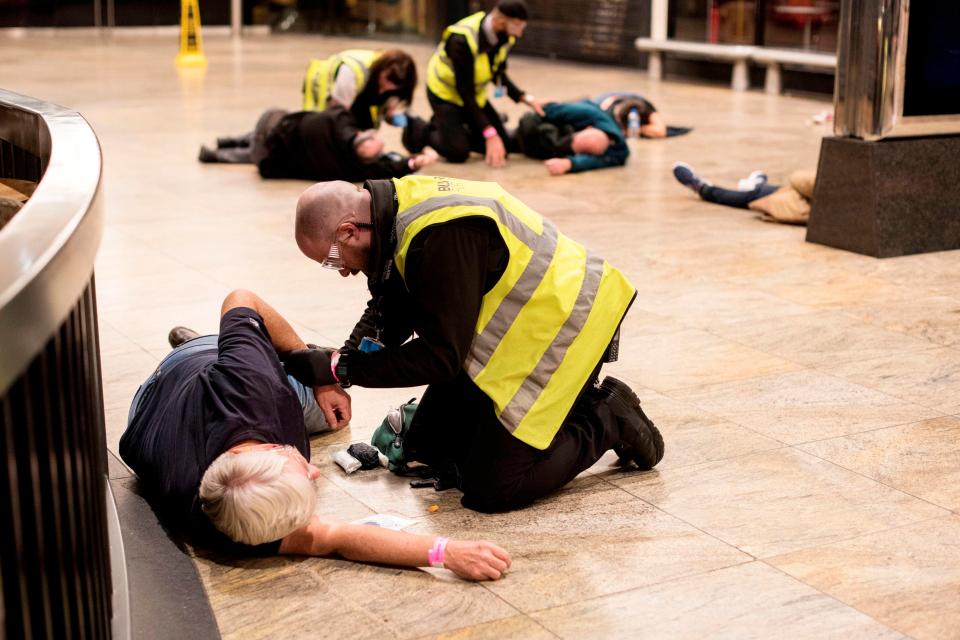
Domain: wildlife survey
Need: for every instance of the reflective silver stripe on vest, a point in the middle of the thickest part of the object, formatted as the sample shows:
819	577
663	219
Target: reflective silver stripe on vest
503	318
531	388
543	246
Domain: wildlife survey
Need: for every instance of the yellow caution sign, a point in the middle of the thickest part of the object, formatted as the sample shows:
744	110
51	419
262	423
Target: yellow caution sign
191	42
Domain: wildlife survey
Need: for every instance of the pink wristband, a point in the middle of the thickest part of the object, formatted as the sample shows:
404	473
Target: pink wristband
334	359
490	132
438	553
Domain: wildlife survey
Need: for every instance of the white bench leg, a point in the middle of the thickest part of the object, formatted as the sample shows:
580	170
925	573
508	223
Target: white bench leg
772	84
655	65
740	80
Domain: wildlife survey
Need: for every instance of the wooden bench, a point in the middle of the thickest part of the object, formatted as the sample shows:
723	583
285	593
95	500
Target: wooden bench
739	55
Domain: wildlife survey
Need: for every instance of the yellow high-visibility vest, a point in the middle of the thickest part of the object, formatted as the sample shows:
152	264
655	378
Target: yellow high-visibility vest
322	73
545	324
441	79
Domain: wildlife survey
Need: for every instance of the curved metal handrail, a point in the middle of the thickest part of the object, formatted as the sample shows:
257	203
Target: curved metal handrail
47	251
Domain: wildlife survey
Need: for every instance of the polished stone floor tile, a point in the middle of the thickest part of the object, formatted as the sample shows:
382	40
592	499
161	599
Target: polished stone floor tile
707	306
930	377
936	319
692	436
906	578
563	554
256	598
515	627
693	357
922	459
746	601
408	602
820	338
833	287
773	502
803	406
379	489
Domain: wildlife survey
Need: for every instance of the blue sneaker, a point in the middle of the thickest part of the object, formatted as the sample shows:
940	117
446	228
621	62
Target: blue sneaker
685	176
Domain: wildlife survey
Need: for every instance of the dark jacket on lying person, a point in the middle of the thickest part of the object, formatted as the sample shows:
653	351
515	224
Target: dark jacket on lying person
551	136
321	145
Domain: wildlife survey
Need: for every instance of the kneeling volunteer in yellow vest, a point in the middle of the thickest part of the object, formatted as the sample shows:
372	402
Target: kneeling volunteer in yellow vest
373	85
471	55
512	322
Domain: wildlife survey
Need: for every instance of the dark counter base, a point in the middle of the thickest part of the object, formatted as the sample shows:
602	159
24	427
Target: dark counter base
167	598
888	198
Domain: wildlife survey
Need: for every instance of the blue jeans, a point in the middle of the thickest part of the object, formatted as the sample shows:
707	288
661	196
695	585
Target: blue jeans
312	415
732	198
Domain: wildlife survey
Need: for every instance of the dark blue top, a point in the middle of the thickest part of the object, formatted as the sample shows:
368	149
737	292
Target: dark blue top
201	405
581	115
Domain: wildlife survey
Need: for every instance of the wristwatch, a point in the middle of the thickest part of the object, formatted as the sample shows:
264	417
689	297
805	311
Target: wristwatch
340	370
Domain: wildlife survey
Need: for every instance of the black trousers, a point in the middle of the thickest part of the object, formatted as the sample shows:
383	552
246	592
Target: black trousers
455	424
451	133
251	147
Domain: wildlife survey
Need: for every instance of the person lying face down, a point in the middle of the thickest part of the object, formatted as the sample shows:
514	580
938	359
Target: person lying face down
635	114
315	145
218	437
572	137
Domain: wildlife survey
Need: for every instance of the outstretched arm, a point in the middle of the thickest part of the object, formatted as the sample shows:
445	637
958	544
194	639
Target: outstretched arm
469	559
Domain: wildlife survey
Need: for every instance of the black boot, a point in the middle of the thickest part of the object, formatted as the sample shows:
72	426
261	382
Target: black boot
640	441
228	142
414	136
207	155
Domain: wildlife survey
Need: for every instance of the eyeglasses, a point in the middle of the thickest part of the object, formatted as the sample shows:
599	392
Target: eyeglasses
333	259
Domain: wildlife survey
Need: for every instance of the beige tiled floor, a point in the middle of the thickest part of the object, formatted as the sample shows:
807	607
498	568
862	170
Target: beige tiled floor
807	395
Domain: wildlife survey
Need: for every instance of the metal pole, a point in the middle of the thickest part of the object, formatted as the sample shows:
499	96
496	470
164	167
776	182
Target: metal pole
658	19
236	18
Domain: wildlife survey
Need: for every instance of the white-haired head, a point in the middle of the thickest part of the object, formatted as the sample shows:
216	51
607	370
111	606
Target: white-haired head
255	497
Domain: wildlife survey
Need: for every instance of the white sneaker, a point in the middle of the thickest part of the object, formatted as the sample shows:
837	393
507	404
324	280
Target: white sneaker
752	181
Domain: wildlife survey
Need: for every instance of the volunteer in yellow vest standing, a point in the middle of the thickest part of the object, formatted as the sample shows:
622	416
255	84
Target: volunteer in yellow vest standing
505	318
471	56
373	85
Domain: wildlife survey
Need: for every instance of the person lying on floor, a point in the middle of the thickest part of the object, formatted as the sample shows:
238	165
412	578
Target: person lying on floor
218	437
789	204
315	145
635	114
571	137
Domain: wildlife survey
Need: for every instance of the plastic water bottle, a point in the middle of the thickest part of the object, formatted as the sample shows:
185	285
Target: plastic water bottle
633	123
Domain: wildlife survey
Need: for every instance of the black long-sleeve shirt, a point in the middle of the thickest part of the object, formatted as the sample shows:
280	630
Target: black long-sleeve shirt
319	145
449	268
462	59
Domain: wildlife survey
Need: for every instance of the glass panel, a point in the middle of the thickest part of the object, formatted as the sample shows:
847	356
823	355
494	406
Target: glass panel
802	24
689	20
933	60
357	16
716	21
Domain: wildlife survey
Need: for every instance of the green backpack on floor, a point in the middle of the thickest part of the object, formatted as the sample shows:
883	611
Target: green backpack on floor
388	437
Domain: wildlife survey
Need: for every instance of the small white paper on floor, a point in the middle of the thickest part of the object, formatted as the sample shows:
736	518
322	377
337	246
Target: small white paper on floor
385	520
